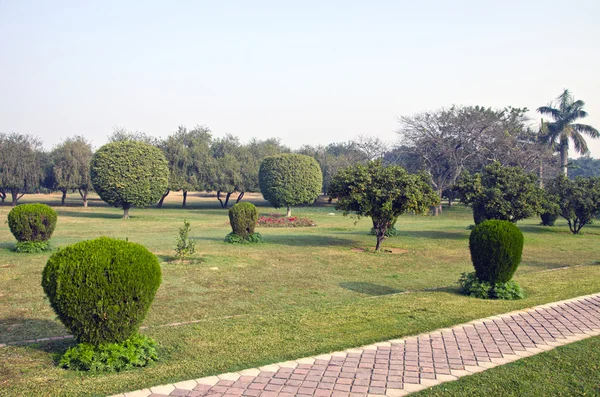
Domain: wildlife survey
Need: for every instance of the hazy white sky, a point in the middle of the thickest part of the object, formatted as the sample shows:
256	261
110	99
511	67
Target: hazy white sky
309	72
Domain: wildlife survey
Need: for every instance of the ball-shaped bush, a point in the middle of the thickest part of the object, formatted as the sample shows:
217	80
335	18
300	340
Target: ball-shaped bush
102	289
32	222
129	174
290	179
243	218
496	248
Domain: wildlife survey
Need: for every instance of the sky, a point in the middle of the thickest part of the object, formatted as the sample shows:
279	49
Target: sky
310	72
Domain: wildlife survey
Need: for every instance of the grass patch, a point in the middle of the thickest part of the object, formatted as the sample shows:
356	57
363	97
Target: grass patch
303	291
570	370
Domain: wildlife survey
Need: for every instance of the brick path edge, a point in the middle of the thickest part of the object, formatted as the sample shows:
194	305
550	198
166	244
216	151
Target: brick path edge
398	367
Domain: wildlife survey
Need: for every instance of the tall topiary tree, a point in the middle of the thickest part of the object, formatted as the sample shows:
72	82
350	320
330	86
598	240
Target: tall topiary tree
381	193
290	179
129	174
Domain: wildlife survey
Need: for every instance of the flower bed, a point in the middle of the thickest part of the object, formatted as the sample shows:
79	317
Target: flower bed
276	220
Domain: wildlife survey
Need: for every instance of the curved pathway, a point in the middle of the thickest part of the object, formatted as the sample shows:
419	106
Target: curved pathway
399	367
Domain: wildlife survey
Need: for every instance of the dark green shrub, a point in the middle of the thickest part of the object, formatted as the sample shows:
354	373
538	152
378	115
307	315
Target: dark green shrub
32	247
102	289
129	174
496	248
290	179
472	286
233	238
32	222
243	218
136	351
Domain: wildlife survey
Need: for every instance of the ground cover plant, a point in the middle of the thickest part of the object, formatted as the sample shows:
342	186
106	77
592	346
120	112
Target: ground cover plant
302	292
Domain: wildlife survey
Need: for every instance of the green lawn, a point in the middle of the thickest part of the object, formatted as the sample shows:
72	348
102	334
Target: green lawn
304	291
571	370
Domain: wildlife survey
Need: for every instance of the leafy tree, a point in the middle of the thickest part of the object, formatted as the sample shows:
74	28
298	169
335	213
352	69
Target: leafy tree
502	193
71	167
120	134
226	176
382	193
565	112
290	179
579	200
584	167
189	157
20	165
129	173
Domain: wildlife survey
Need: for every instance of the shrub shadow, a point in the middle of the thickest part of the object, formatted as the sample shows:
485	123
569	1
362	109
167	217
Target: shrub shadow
15	329
461	235
86	214
369	289
304	240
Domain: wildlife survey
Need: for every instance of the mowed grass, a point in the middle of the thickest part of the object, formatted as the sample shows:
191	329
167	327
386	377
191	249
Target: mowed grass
302	292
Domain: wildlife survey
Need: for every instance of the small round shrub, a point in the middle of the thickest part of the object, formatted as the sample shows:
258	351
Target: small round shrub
243	218
32	222
102	289
496	248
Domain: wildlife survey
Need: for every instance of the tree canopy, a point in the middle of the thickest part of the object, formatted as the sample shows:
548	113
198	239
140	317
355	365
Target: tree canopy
20	165
382	193
70	162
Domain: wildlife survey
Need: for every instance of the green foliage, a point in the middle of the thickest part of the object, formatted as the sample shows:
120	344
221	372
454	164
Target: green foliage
233	238
32	222
290	179
578	200
496	248
185	246
136	351
503	193
102	289
70	163
550	209
381	193
391	232
32	247
21	168
472	286
243	218
584	167
129	173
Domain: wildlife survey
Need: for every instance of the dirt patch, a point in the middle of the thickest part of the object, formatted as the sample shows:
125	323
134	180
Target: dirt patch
383	250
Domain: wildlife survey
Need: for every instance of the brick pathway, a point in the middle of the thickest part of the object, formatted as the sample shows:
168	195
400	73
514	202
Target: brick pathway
398	367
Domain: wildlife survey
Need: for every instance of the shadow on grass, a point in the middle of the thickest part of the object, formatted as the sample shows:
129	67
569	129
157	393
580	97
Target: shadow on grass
19	329
434	234
306	240
173	259
369	289
89	214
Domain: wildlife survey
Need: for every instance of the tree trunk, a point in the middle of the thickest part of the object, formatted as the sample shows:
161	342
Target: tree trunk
381	227
239	197
219	198
162	199
184	198
15	196
63	198
564	158
541	174
227	199
450	201
289	211
84	193
2	195
125	212
437	209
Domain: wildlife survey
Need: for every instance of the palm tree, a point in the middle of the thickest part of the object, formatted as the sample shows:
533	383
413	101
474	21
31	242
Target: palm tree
557	133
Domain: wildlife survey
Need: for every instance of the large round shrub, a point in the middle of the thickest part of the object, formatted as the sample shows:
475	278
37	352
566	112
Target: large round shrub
129	174
102	289
32	222
496	248
290	179
243	218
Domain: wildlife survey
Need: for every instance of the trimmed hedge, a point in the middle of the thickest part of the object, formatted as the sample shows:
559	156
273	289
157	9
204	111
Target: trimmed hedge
496	248
290	179
243	218
102	289
32	222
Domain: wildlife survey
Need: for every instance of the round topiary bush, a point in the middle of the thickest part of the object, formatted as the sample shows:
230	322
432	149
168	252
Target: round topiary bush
129	174
102	289
496	248
290	179
243	218
32	222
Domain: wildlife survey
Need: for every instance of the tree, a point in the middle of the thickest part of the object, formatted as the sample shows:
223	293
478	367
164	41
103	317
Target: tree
584	167
579	200
559	132
189	157
226	171
129	173
502	193
290	179
71	167
20	165
382	193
